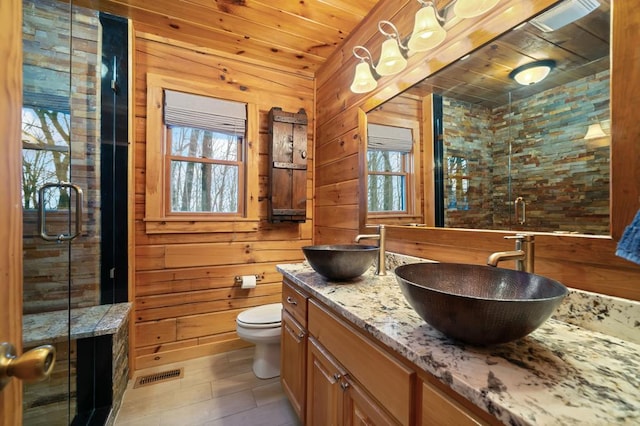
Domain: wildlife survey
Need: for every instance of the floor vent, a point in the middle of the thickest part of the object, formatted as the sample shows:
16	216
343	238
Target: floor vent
163	376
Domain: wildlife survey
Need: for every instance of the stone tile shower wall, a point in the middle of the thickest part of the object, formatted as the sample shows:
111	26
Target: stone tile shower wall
466	138
48	62
563	178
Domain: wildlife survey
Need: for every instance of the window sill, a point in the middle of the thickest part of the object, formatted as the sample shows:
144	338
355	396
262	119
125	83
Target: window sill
199	225
391	215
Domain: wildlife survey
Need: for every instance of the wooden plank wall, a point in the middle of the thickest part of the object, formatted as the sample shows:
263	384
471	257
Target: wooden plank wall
578	261
186	299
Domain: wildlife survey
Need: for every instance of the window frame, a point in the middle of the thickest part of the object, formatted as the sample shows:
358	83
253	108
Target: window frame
158	218
413	196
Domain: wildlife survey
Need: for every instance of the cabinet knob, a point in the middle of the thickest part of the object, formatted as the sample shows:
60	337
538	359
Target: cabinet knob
301	335
291	301
337	376
344	385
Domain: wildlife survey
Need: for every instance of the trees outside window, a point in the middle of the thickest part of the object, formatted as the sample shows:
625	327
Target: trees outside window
45	156
387	181
205	170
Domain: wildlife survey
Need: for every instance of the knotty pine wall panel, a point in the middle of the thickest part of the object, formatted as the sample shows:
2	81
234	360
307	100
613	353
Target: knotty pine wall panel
578	261
186	297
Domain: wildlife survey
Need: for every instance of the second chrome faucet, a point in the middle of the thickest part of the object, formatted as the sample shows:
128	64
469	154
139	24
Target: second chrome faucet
381	268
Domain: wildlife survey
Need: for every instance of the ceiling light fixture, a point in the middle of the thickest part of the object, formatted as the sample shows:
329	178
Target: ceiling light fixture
427	30
392	61
473	8
363	80
533	72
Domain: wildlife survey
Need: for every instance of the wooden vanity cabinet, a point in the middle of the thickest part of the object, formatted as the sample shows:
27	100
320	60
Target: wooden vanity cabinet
324	395
334	374
335	398
377	387
360	409
293	347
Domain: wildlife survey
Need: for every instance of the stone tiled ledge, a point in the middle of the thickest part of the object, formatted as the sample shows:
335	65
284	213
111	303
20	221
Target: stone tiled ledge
51	327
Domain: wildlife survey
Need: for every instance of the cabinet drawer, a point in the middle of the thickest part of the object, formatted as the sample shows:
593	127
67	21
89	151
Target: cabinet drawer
295	302
386	379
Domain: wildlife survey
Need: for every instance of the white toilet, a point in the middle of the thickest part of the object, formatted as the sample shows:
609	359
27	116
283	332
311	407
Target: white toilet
261	326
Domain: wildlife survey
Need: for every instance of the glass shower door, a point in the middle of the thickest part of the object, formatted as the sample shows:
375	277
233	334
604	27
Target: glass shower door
61	195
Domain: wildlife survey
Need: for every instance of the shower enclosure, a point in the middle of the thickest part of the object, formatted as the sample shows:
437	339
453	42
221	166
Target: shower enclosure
74	193
527	165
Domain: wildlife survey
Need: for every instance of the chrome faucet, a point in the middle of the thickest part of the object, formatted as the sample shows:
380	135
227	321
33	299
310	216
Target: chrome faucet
381	268
523	254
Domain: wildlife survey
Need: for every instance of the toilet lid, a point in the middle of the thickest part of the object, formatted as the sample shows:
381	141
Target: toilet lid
266	316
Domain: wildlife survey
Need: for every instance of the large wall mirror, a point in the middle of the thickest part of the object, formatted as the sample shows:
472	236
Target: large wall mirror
513	156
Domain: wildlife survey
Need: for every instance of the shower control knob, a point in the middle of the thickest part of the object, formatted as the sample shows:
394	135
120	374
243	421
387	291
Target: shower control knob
32	366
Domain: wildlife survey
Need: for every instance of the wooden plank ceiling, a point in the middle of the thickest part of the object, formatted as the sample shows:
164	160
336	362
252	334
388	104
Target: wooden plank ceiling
580	49
299	35
294	34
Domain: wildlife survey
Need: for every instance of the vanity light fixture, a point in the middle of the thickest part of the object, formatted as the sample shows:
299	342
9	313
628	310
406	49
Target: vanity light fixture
363	80
533	72
595	131
473	8
391	60
428	33
427	30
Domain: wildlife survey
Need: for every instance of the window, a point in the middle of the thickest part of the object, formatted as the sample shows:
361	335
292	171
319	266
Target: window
205	170
388	168
202	173
458	183
205	153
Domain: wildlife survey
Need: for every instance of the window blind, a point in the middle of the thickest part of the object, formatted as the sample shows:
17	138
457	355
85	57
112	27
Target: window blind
217	115
389	138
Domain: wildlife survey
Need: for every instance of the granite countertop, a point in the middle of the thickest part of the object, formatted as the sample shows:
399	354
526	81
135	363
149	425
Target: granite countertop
58	326
581	367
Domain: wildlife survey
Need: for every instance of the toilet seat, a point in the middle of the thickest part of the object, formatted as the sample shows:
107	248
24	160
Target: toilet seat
265	316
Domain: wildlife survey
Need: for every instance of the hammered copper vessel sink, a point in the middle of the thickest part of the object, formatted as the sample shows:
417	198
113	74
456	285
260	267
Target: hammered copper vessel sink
340	262
477	304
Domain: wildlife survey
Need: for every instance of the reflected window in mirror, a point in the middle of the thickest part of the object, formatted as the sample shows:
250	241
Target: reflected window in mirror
389	169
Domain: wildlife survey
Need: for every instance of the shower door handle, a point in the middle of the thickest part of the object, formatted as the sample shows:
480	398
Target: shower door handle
42	229
523	216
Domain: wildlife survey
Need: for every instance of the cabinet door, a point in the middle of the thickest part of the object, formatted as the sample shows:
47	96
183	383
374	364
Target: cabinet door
324	395
293	362
359	409
438	409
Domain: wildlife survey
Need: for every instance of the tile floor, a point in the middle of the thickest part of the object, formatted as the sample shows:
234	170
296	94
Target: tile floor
218	390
